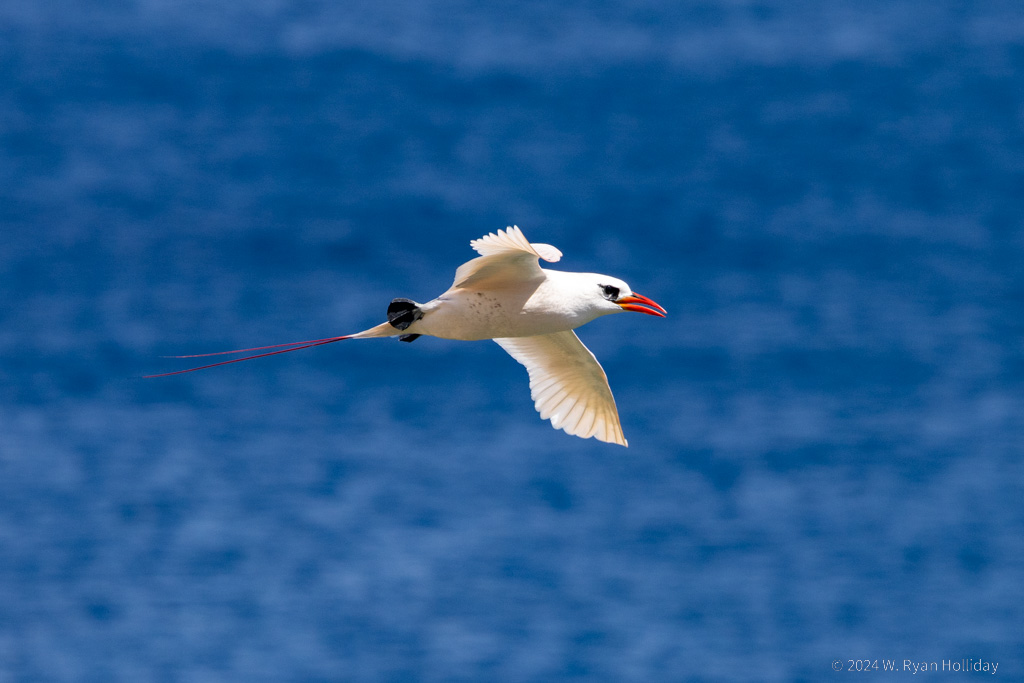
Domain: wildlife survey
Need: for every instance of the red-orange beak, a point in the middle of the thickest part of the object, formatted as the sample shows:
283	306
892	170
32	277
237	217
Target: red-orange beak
641	304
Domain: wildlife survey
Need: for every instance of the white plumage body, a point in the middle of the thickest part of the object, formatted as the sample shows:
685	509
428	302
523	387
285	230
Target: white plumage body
516	309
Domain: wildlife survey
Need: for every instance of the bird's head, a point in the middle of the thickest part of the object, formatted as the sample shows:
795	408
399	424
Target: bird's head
612	295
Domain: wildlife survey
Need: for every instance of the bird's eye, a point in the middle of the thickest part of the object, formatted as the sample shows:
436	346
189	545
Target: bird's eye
610	292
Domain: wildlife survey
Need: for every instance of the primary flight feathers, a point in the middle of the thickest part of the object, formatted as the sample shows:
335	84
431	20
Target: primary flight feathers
530	312
512	240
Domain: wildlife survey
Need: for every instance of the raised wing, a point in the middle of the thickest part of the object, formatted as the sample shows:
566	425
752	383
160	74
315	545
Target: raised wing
568	385
506	257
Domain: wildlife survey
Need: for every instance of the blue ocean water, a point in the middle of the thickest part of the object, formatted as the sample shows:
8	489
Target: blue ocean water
825	435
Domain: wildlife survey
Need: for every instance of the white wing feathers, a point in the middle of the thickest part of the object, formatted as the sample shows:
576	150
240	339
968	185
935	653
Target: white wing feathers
505	257
512	240
568	385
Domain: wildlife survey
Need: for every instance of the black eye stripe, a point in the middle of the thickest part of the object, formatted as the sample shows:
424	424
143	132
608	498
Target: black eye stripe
610	292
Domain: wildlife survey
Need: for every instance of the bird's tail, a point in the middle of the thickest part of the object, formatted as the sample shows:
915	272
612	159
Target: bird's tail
382	330
401	314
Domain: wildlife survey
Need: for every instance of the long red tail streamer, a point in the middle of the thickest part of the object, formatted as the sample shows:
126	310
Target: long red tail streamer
258	348
303	345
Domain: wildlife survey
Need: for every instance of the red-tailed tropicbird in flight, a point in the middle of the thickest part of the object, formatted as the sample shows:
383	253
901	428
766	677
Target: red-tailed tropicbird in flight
531	312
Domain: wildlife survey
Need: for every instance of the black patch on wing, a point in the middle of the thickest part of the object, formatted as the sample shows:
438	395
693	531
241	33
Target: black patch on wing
403	312
408	337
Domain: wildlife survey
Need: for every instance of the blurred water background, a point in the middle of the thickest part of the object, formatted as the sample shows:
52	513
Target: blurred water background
825	434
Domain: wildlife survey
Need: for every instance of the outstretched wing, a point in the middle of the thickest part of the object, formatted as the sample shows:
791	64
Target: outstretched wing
568	385
506	257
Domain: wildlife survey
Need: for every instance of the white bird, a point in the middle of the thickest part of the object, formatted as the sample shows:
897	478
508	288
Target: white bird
530	312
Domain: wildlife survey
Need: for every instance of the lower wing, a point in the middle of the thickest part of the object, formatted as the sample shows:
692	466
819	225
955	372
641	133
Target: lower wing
568	385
